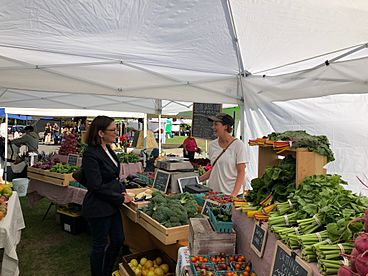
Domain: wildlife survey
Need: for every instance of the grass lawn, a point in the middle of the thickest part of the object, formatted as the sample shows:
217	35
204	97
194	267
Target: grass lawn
45	249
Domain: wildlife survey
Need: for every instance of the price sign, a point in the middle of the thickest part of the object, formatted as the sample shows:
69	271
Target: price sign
161	180
72	159
201	127
259	238
287	263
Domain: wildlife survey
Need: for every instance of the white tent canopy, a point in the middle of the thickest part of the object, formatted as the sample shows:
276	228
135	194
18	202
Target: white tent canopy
274	58
71	112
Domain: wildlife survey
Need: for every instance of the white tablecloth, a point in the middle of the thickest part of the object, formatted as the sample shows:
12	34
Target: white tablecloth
10	232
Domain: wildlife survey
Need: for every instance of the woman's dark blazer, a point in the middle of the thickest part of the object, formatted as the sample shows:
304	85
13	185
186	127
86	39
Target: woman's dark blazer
103	197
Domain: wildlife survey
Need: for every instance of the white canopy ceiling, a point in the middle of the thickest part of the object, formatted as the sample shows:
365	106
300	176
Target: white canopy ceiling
119	55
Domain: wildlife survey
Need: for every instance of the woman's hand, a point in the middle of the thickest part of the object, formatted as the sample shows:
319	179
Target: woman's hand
127	198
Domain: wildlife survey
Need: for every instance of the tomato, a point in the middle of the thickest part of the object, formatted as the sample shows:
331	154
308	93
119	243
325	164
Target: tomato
194	259
237	266
213	259
231	258
205	260
247	268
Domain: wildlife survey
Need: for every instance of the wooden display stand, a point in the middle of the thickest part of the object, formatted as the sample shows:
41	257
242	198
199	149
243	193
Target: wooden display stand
49	177
139	239
203	240
307	163
163	234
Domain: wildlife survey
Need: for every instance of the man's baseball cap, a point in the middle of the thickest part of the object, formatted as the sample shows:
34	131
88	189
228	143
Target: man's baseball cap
223	118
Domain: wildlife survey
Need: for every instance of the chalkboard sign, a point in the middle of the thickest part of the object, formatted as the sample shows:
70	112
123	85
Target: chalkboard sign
161	180
287	263
201	127
208	204
72	159
184	181
259	238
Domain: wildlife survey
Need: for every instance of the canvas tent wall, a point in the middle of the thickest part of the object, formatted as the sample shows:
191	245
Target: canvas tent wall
121	54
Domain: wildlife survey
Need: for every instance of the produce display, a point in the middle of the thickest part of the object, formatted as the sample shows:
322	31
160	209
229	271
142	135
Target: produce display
148	267
5	193
278	181
63	168
359	253
301	139
128	157
145	195
317	219
222	212
171	210
69	146
221	264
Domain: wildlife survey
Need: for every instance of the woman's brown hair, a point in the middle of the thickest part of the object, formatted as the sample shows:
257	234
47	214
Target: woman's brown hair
98	123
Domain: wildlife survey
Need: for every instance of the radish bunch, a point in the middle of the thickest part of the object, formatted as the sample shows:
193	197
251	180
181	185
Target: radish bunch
359	255
69	145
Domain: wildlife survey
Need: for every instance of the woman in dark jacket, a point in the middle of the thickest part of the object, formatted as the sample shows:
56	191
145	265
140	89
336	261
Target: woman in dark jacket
104	197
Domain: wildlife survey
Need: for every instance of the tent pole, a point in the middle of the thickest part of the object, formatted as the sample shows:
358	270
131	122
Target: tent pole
6	149
158	108
145	139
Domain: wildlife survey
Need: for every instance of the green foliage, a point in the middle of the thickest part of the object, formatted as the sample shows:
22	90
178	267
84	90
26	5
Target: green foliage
325	197
63	168
278	180
171	210
301	139
128	157
222	212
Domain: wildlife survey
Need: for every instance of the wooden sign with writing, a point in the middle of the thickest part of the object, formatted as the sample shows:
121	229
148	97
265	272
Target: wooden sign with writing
161	180
259	238
287	263
201	127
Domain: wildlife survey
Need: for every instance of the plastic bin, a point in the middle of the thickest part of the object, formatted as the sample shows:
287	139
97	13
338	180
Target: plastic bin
20	185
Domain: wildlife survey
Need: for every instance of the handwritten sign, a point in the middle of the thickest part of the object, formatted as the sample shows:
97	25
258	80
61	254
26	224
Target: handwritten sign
208	204
287	263
201	127
72	159
259	238
161	180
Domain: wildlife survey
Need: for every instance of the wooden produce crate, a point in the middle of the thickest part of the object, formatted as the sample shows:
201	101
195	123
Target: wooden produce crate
163	234
203	240
49	177
308	163
150	255
135	205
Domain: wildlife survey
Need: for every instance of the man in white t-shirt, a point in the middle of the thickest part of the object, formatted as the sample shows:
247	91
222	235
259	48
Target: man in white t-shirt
228	172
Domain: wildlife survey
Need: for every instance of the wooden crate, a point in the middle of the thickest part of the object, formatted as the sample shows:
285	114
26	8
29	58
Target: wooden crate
135	205
150	255
165	235
49	177
307	163
204	240
122	270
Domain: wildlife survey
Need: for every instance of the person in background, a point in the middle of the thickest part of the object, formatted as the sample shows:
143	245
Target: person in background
105	195
30	138
47	134
190	147
56	133
228	173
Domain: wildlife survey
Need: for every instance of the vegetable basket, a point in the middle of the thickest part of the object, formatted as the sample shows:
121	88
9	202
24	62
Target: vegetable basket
219	226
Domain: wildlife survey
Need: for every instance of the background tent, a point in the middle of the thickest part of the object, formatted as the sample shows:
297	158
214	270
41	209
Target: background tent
276	59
